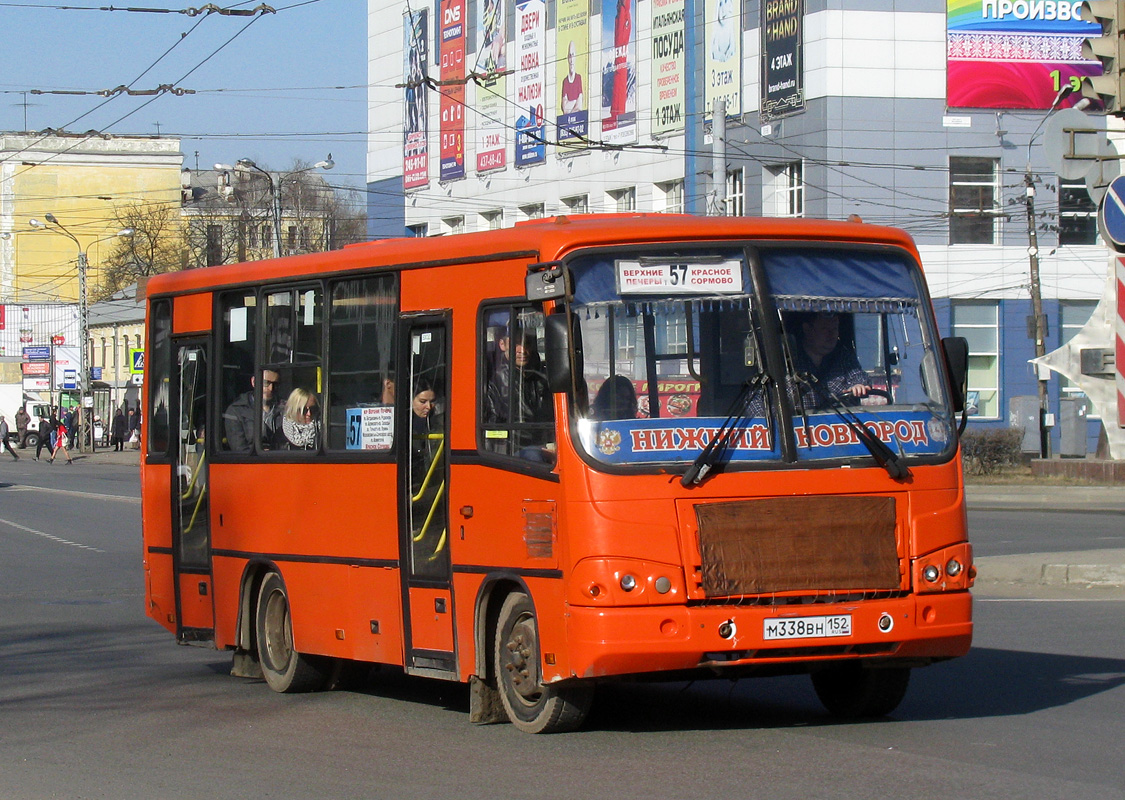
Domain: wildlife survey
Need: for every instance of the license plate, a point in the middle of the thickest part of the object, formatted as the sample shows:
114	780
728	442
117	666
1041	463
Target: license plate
808	627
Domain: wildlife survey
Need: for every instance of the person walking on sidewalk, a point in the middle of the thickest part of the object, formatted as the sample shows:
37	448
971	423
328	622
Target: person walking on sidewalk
60	444
44	437
4	438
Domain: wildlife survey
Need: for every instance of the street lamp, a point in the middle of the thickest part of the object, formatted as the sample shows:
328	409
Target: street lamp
275	191
83	310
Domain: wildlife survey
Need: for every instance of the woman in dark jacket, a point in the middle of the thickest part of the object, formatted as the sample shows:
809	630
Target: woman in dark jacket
117	431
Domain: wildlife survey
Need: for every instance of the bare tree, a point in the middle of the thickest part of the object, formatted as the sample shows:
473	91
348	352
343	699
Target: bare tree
156	246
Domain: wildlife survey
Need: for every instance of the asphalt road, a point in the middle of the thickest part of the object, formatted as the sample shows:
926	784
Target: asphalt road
96	701
1010	532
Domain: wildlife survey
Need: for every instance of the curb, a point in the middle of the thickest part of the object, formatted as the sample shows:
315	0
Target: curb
1087	569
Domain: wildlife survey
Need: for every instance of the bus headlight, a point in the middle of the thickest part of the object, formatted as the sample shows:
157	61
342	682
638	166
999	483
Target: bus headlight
931	573
953	568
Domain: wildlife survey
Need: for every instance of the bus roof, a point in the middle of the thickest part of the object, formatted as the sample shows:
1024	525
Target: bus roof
540	240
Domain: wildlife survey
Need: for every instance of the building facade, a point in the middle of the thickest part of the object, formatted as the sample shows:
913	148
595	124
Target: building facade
80	180
922	115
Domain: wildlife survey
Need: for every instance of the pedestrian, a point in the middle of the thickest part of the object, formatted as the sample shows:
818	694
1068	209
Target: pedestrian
4	438
60	444
44	437
71	423
22	420
118	431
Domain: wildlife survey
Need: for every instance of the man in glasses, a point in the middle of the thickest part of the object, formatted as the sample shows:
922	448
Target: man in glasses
238	419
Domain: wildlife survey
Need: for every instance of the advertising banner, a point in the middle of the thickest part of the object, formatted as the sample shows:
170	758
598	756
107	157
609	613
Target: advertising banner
1015	54
619	72
452	104
416	158
531	26
783	76
722	33
572	68
667	66
492	90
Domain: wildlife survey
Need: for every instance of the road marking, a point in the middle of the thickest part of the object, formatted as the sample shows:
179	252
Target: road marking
52	537
72	493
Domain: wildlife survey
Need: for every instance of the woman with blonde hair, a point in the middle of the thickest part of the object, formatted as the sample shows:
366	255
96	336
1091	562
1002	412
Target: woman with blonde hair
301	423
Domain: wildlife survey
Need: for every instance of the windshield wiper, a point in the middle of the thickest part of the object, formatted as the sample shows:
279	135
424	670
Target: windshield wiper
884	456
716	448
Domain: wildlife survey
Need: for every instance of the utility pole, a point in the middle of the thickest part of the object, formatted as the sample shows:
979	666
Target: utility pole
1038	324
716	208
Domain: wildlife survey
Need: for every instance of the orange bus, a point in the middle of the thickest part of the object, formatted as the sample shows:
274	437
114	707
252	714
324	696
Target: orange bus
590	447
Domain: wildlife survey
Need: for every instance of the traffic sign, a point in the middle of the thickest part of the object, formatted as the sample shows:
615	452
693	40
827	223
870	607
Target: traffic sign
136	360
1112	217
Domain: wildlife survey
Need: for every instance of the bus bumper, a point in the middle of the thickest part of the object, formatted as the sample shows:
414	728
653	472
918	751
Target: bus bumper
636	640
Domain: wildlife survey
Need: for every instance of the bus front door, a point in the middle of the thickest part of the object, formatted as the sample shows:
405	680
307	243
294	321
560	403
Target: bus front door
191	542
423	415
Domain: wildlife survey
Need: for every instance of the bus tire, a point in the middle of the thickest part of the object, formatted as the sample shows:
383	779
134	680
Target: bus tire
852	691
531	706
284	669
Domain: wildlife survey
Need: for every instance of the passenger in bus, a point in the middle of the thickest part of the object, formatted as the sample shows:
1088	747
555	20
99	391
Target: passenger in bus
616	399
301	423
423	422
238	419
822	355
517	391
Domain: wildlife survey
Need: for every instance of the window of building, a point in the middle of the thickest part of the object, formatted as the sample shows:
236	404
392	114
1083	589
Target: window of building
533	211
492	220
783	190
517	412
361	347
451	226
673	192
252	236
291	238
419	231
577	205
214	245
1078	214
624	200
105	349
267	236
1073	316
978	323
735	205
973	195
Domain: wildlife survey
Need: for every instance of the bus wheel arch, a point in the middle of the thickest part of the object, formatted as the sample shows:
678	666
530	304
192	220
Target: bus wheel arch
284	668
531	705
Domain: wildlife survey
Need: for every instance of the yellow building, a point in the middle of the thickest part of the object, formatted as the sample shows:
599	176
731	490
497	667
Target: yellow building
80	180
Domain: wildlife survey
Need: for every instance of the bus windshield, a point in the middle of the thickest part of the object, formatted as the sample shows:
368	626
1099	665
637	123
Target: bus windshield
777	353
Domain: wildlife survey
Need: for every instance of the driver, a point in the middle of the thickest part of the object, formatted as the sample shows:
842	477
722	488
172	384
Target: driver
821	355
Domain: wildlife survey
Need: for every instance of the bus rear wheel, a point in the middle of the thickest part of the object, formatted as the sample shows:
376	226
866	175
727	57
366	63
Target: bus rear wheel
853	691
532	706
285	669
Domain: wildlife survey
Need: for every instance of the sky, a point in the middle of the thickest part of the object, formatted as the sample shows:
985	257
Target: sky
273	87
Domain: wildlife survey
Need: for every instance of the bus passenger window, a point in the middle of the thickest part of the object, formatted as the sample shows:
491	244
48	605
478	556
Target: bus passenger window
239	325
361	370
517	408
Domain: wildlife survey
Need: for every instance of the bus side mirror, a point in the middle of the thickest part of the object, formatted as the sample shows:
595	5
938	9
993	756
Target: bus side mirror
956	350
557	358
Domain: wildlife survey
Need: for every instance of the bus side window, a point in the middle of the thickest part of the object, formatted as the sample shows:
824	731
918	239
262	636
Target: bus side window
516	407
360	367
238	312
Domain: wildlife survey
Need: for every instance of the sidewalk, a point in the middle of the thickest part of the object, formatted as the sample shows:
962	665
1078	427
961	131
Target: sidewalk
103	455
1094	573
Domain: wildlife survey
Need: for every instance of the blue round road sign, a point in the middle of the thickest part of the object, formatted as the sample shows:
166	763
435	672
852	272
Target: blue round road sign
1113	213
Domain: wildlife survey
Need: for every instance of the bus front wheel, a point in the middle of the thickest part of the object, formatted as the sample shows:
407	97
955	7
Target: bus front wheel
285	669
532	706
852	691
